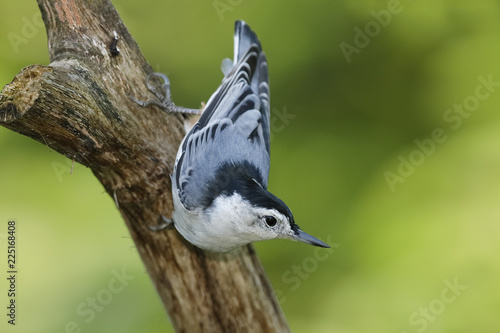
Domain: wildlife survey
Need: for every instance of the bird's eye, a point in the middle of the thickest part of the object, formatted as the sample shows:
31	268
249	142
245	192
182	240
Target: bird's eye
270	220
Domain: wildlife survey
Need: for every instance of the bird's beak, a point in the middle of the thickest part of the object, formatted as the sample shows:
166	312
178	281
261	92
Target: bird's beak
308	239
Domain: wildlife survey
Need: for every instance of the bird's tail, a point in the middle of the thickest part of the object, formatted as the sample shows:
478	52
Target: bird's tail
249	68
244	41
244	37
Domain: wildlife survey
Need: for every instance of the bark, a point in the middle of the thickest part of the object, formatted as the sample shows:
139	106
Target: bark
80	106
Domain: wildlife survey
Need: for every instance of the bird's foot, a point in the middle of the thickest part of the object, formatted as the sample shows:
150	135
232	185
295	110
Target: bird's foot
164	224
164	100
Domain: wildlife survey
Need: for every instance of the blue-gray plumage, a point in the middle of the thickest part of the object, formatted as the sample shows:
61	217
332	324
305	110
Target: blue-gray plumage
233	129
219	182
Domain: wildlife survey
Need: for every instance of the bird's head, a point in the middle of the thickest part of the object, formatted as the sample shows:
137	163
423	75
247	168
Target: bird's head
275	219
250	213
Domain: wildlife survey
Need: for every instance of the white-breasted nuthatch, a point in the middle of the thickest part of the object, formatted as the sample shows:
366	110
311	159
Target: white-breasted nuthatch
219	182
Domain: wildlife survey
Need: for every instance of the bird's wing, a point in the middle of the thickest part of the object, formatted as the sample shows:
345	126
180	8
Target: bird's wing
233	133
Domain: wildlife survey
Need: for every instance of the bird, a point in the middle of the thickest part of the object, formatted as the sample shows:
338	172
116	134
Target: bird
221	171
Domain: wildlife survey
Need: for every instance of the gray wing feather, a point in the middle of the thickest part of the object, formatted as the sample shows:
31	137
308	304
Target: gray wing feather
234	127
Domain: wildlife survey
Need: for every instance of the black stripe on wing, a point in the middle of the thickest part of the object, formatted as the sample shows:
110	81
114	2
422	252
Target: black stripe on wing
262	82
244	70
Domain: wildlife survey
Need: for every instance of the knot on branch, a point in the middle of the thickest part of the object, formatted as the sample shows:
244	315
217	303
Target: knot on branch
18	96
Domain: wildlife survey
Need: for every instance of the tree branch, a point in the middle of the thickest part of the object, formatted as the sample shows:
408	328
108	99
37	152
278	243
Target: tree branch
80	106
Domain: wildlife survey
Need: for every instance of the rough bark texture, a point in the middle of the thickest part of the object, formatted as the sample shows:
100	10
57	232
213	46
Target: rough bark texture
80	106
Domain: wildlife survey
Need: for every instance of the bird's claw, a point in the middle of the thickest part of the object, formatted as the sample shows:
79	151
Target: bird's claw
164	224
164	101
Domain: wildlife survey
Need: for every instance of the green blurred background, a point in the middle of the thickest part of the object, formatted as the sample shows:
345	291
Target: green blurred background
415	253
